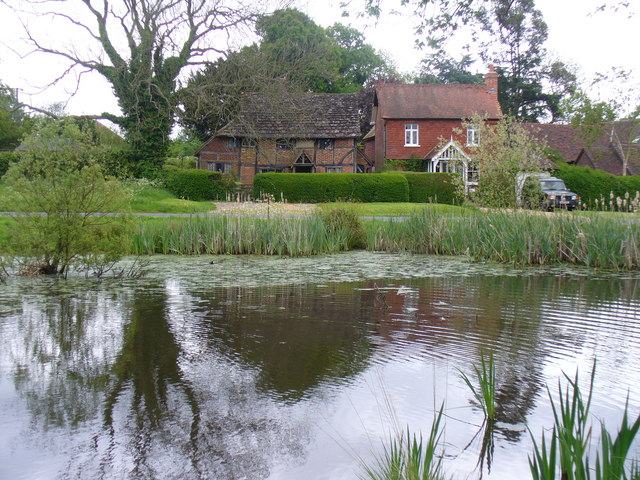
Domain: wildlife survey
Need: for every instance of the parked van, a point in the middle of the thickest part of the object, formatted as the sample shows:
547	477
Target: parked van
541	190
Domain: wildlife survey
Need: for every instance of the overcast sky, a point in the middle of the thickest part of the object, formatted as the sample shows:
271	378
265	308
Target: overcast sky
593	43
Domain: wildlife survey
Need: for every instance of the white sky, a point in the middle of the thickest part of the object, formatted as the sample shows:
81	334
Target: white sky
593	43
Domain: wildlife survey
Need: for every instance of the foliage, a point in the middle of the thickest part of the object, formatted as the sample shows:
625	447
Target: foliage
294	55
59	181
596	188
140	48
329	187
506	149
6	159
14	123
343	219
444	188
195	184
404	165
440	68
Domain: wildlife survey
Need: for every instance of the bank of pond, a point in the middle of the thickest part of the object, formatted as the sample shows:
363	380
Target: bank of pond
519	238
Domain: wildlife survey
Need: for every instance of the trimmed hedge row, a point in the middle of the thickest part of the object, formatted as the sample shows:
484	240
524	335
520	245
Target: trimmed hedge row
192	184
331	187
435	188
592	185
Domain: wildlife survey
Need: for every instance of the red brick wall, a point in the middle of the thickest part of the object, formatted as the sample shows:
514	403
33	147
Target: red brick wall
431	133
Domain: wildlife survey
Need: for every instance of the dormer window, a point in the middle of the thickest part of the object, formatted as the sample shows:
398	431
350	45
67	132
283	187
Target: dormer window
411	135
473	136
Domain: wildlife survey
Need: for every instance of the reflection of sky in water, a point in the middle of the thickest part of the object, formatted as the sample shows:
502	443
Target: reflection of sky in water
275	368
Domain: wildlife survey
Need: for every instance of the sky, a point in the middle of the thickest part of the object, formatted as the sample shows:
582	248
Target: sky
593	43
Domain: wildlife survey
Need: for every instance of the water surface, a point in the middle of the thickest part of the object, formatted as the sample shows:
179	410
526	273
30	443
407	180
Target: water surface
275	368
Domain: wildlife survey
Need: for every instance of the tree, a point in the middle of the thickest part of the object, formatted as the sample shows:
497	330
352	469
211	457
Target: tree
64	194
505	150
294	55
440	68
141	47
14	122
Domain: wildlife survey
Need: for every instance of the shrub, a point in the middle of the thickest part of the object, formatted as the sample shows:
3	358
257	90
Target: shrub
594	185
192	184
435	188
338	219
6	159
331	187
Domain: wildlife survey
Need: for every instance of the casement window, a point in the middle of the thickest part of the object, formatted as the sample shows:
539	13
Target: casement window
324	144
222	167
248	143
234	143
411	135
333	169
473	136
284	144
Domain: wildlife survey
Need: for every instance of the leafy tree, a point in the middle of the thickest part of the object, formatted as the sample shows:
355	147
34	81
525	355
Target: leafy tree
505	150
440	68
294	55
140	47
14	123
62	188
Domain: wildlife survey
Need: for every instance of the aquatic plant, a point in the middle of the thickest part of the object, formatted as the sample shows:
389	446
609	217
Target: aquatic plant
409	458
567	455
485	389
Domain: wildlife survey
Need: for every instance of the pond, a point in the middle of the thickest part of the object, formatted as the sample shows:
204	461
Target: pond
277	368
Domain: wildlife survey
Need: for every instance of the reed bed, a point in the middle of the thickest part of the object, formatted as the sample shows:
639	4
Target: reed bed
240	235
520	238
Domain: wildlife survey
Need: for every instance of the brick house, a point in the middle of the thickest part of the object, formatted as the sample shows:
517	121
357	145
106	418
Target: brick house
425	121
303	133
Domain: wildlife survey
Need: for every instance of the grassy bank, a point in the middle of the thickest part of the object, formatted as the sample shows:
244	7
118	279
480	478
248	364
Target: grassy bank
518	238
379	209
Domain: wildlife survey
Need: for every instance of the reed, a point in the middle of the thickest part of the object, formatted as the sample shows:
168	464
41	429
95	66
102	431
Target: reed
239	235
519	238
409	458
567	454
484	389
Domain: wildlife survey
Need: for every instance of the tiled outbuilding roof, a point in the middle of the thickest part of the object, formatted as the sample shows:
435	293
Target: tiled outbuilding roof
617	139
561	137
437	101
309	115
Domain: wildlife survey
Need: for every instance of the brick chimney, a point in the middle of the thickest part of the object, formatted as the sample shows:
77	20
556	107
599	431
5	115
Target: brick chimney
491	81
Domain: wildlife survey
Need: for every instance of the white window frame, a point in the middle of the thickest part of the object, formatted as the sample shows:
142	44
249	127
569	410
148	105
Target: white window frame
333	169
411	135
473	136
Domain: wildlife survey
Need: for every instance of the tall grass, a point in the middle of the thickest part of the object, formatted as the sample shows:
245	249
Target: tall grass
520	238
484	389
567	455
240	235
409	458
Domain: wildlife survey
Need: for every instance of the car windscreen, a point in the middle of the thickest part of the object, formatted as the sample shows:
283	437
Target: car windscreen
553	185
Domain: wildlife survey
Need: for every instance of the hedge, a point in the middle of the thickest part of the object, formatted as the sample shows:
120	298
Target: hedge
435	188
592	185
332	187
6	159
192	184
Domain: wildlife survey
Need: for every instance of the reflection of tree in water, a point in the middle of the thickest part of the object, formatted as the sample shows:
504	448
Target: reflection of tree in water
297	336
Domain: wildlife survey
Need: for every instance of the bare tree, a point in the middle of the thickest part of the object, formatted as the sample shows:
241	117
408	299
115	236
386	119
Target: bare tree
140	47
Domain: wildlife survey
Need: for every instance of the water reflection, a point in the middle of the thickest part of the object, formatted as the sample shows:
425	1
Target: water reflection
174	377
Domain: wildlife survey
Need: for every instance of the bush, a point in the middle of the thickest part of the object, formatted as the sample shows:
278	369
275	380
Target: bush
594	185
331	187
342	219
6	159
192	184
435	188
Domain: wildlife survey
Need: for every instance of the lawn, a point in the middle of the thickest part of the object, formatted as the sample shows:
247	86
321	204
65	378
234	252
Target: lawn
399	209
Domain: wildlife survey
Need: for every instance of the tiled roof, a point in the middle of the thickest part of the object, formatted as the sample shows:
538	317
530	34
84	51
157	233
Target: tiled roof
561	137
309	115
424	101
602	152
